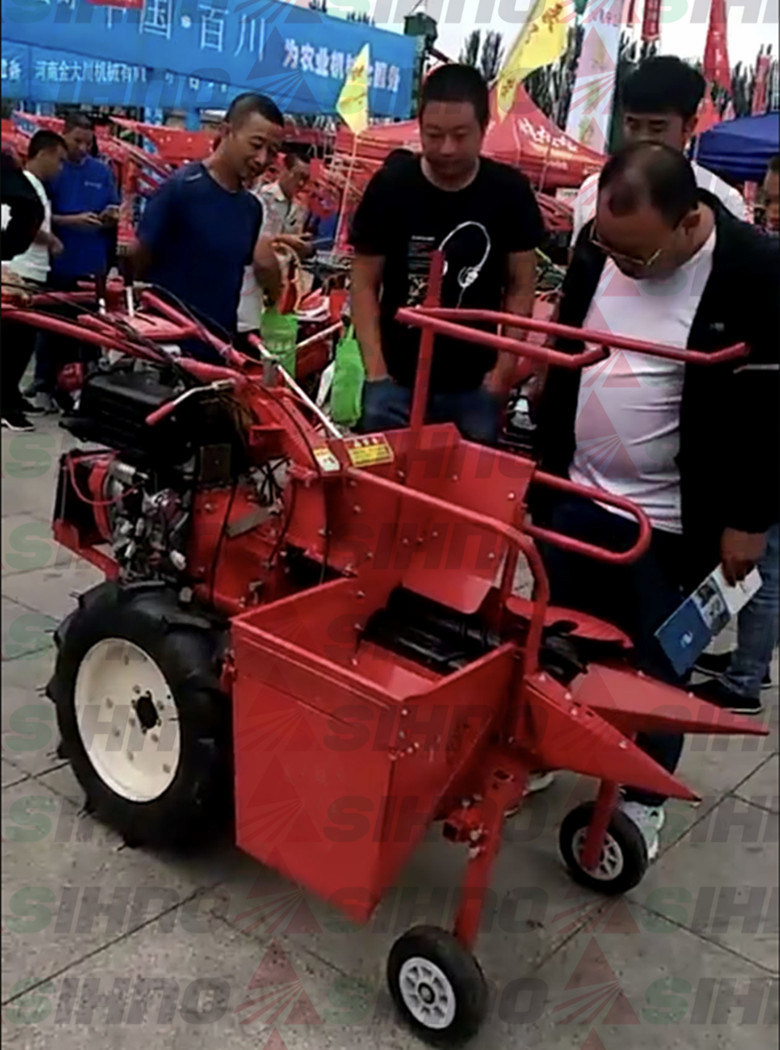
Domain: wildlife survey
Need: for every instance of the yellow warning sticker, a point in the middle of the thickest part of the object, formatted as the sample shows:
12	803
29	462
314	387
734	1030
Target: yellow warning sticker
369	451
327	461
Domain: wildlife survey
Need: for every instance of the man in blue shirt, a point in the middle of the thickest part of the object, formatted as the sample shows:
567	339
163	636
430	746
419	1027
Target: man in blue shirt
85	206
85	213
200	231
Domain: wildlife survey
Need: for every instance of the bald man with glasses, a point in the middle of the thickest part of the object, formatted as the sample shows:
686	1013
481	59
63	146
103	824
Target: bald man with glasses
695	447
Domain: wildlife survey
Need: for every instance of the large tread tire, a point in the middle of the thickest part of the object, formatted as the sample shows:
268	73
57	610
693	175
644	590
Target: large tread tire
188	649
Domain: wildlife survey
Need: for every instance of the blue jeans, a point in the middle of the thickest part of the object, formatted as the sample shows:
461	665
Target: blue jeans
476	413
757	627
637	598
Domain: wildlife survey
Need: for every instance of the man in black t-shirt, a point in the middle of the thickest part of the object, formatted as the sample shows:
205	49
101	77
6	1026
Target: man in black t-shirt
484	217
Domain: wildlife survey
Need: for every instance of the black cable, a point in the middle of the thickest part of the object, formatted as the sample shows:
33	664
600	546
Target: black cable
285	528
200	320
279	401
220	540
299	428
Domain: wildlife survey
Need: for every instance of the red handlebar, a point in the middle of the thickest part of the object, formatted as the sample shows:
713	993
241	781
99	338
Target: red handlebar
429	318
589	550
565	331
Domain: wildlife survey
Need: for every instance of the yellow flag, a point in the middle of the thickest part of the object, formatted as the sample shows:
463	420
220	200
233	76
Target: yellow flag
541	40
352	105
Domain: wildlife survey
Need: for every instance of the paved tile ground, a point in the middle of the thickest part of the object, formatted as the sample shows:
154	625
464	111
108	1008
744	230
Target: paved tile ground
116	948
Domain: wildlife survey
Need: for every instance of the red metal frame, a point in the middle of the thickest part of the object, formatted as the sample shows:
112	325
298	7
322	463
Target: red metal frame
432	318
377	528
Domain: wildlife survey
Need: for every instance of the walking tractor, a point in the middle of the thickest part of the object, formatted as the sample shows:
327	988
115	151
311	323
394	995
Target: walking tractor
292	613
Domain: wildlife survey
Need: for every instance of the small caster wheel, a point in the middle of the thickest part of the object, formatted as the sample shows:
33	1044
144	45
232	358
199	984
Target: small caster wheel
623	859
437	986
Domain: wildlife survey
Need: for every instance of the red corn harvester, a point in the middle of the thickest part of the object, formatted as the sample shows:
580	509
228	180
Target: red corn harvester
321	634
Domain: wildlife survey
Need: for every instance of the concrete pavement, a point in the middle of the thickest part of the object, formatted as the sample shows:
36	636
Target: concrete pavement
116	948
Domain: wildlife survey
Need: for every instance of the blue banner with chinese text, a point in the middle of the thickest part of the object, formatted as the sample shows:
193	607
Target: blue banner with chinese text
194	54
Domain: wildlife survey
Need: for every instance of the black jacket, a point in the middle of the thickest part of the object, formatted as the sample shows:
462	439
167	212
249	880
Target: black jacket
728	457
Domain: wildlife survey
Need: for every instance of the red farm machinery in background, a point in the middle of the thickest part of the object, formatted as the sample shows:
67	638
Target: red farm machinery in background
290	614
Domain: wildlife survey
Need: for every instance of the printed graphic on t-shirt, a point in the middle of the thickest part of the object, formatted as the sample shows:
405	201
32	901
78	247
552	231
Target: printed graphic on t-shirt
418	264
466	248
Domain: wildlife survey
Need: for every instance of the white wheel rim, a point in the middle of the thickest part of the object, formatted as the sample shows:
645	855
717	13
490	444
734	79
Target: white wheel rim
611	861
127	719
427	993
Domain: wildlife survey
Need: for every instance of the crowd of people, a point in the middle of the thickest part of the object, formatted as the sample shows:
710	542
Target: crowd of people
75	240
661	251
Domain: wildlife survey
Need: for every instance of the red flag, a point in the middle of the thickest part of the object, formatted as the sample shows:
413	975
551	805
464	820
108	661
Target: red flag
708	114
760	84
651	19
716	53
124	4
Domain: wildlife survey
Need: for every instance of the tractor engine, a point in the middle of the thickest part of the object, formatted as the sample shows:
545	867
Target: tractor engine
146	527
136	492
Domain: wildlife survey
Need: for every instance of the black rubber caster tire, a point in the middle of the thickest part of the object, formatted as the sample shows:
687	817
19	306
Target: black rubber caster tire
437	986
624	859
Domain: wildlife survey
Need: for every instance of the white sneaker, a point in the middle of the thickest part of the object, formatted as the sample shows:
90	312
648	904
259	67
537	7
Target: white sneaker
45	403
539	782
649	820
536	782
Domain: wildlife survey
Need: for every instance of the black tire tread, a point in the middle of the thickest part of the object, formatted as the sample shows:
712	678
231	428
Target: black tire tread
626	833
463	971
198	802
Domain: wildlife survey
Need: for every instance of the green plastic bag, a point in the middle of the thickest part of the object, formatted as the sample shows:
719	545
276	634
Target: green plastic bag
346	395
279	335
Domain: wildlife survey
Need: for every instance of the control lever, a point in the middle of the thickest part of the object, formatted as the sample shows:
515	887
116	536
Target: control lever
170	406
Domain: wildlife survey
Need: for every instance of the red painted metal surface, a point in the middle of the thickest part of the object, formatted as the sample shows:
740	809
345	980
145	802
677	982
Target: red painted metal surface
631	701
606	800
345	751
578	624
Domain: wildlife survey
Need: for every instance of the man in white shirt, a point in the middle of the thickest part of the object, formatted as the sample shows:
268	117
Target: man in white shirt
283	222
45	157
694	446
659	102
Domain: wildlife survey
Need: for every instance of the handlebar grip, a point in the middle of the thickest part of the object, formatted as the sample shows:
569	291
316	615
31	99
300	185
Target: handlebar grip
160	413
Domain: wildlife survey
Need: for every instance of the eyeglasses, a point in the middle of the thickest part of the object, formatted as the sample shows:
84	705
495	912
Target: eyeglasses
631	260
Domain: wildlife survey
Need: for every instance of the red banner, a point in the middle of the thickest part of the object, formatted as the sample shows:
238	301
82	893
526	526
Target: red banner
758	104
651	20
716	53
